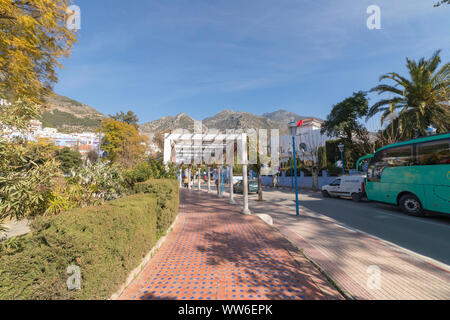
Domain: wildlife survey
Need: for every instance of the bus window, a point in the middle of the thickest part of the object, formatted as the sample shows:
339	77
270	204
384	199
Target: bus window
433	152
398	156
375	168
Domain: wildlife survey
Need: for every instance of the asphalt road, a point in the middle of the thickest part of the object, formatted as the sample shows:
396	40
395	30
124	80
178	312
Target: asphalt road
429	236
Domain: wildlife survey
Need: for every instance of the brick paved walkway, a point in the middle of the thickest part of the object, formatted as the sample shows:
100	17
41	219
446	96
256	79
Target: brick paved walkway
216	253
346	255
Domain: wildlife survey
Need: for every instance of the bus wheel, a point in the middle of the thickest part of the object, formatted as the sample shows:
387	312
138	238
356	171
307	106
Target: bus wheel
325	194
411	205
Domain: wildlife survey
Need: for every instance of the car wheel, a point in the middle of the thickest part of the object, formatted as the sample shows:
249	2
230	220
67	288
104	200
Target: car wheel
356	197
325	194
411	205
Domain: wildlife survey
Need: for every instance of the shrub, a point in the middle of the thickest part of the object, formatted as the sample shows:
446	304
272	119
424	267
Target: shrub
167	195
106	242
100	181
150	169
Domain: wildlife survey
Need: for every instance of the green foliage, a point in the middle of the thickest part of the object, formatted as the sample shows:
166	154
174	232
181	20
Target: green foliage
130	118
417	102
150	169
101	181
18	113
167	195
441	2
69	159
33	37
343	121
28	173
106	242
123	143
3	229
60	119
333	154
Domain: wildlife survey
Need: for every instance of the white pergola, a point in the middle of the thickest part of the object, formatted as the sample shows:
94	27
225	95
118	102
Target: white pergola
208	149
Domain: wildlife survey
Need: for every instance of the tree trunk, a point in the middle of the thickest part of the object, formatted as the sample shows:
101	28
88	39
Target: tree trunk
260	193
315	178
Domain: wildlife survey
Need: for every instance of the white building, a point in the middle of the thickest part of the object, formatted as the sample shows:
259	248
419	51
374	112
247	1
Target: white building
308	138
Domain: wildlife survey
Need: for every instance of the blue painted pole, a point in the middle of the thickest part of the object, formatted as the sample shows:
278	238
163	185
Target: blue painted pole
292	173
295	179
343	167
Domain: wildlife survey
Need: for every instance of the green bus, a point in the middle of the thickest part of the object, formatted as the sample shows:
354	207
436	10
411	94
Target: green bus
414	175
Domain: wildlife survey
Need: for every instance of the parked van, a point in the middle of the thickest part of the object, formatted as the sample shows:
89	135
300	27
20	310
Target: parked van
346	186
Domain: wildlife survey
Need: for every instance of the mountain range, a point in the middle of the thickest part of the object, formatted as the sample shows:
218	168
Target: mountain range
68	115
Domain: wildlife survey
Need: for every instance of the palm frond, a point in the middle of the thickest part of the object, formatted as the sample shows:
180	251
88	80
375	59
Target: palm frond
383	88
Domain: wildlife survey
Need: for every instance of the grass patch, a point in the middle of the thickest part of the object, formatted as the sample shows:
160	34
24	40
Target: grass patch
106	242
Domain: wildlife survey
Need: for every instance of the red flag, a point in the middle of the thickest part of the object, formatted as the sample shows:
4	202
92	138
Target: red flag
300	123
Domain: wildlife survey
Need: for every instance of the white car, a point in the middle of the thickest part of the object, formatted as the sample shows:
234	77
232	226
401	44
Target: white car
346	186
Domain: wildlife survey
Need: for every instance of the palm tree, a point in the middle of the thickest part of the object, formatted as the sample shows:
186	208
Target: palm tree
420	101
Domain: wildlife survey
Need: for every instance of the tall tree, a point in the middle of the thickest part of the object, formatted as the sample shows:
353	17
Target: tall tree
343	121
420	101
69	159
33	37
122	142
130	117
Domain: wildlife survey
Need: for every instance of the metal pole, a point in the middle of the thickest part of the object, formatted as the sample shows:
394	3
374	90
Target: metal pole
181	177
295	179
292	172
199	180
343	167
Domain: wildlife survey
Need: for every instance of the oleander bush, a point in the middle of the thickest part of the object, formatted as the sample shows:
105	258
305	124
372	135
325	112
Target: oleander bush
106	242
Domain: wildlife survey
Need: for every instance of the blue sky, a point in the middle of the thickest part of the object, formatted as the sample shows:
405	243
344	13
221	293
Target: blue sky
199	57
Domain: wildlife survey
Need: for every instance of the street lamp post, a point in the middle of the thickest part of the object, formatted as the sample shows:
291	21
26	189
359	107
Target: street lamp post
341	149
292	169
293	129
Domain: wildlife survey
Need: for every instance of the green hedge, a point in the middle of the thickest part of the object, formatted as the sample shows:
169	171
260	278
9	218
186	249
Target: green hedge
167	197
106	242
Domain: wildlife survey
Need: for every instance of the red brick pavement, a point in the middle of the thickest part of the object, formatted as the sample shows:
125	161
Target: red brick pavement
216	253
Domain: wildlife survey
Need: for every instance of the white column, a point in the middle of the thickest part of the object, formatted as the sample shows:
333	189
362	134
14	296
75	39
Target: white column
219	182
245	210
181	177
199	179
209	179
231	186
189	178
243	146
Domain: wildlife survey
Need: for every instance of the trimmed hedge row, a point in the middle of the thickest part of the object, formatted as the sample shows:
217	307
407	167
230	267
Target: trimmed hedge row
106	242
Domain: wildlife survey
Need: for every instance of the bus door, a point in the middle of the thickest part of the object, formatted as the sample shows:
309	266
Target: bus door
433	157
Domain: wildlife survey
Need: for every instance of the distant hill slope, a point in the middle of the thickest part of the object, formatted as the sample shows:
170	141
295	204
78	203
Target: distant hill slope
283	116
230	119
68	115
180	121
227	119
